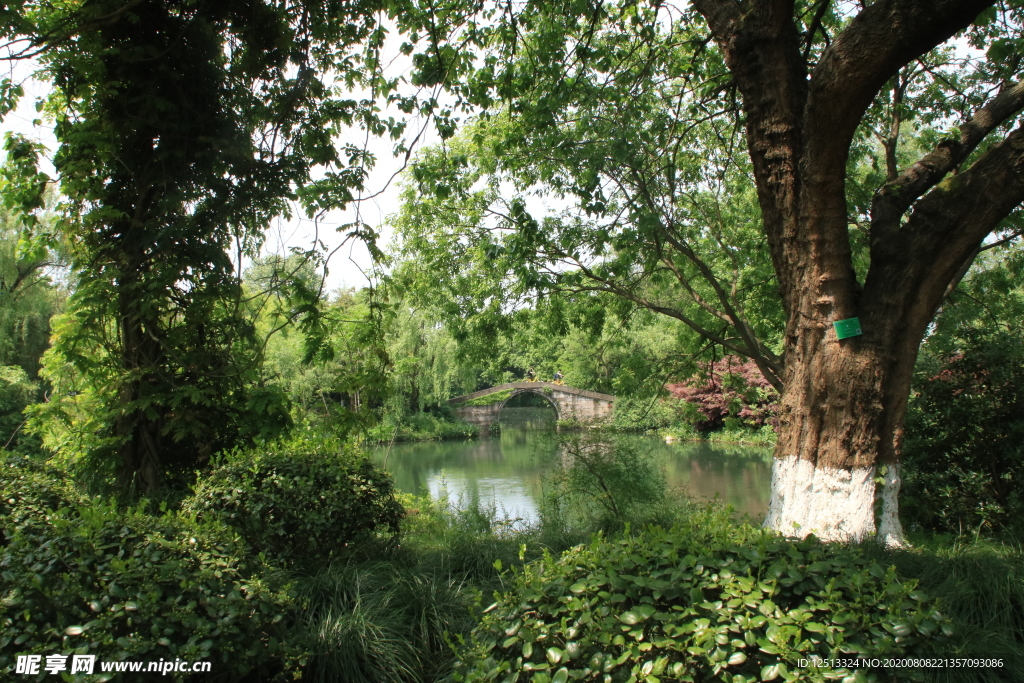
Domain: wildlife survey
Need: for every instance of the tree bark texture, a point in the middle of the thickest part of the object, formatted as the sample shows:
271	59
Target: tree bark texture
844	401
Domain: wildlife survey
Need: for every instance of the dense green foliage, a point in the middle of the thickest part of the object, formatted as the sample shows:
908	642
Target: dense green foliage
298	505
129	585
964	451
183	130
30	491
700	602
647	229
28	299
29	295
596	215
16	394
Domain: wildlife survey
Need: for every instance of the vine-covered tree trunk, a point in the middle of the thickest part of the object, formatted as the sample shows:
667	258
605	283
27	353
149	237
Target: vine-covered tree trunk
136	429
184	129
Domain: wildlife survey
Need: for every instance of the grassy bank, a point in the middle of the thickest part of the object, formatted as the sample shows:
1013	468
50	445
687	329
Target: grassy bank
675	419
765	436
388	617
420	427
303	560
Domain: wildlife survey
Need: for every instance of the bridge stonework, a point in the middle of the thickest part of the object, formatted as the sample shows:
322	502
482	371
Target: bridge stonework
569	403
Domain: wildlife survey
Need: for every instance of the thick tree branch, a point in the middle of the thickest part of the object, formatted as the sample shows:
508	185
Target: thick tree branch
896	196
974	254
879	41
964	208
947	225
722	16
819	14
761	47
767	362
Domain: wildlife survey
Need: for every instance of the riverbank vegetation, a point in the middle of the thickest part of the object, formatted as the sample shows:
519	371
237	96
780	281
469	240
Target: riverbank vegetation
400	588
783	223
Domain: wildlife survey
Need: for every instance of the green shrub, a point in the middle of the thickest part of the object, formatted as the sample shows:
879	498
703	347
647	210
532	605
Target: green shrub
420	427
30	491
601	485
136	587
632	414
688	604
963	459
301	506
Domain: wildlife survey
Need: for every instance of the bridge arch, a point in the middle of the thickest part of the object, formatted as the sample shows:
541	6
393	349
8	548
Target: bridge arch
568	402
536	392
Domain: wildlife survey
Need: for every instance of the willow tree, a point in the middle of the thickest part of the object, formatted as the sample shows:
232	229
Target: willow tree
879	138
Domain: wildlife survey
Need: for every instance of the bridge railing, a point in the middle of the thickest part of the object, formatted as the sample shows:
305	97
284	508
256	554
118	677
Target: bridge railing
535	385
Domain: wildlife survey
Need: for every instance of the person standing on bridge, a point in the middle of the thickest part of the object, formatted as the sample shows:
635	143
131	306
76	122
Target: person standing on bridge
558	377
529	375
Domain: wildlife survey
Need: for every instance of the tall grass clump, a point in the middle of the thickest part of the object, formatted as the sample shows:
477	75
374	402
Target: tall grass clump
601	485
980	586
382	622
389	616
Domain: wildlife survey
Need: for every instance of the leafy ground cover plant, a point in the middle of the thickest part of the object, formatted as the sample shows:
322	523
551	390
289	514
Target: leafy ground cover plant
299	505
132	586
694	604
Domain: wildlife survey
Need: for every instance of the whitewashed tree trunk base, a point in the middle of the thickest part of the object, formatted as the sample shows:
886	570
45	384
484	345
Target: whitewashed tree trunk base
890	531
833	504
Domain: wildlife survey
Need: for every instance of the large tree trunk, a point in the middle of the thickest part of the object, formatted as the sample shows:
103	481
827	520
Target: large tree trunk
841	422
836	470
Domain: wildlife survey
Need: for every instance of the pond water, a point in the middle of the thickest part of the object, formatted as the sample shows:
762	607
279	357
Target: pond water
507	471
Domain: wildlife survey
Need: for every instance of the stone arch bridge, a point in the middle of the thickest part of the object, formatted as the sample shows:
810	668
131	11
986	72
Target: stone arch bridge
569	403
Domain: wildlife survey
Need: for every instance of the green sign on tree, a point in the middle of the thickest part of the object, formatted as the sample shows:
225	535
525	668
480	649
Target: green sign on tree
847	328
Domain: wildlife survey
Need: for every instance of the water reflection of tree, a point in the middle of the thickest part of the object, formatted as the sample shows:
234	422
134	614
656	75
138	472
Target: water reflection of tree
740	475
